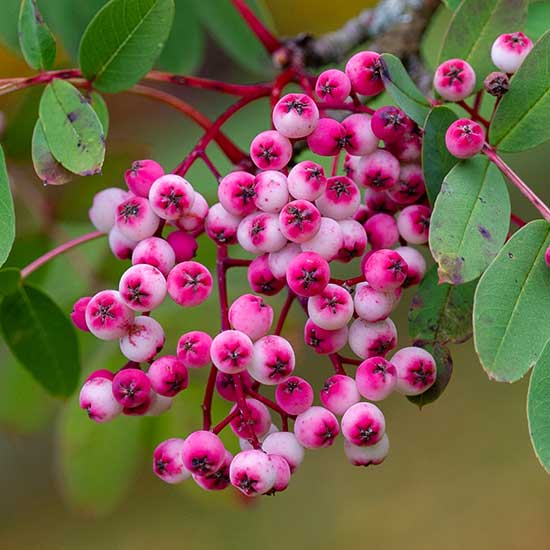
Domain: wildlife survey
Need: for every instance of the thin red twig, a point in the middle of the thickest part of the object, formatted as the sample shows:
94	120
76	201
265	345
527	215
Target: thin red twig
284	312
270	42
473	113
207	400
337	363
516	220
226	421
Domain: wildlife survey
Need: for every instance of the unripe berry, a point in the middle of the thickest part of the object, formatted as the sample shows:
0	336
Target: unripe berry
107	316
168	376
416	370
363	424
225	385
308	274
390	123
372	339
96	398
142	287
332	308
142	175
221	226
333	86
328	138
189	284
382	231
299	221
376	378
464	138
236	192
360	139
316	428
374	305
327	241
120	245
261	278
271	191
385	270
168	462
279	261
131	387
157	252
454	80
294	395
509	51
365	456
410	186
282	473
324	341
413	223
231	351
78	314
259	422
145	338
193	220
496	84
355	240
194	349
218	480
136	219
273	360
416	265
203	453
286	445
171	196
306	180
252	472
295	116
103	212
379	170
252	315
340	199
363	70
260	233
339	393
270	150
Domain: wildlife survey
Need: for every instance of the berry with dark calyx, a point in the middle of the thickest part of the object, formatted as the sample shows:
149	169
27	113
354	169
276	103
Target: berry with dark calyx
142	287
413	223
221	226
324	341
225	385
316	428
273	360
107	316
160	253
218	480
306	180
96	398
364	71
131	387
454	80
328	138
189	284
416	265
509	51
168	463
339	393
379	170
251	315
231	351
385	270
355	240
367	456
416	370
258	423
390	123
237	192
464	138
144	339
261	279
359	139
299	221
202	453
308	274
295	116
333	86
327	241
294	395
340	199
260	232
363	424
194	349
372	339
141	176
376	378
270	150
332	308
136	219
252	472
171	197
168	376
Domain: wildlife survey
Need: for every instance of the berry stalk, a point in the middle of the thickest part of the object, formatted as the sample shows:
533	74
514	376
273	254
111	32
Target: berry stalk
270	42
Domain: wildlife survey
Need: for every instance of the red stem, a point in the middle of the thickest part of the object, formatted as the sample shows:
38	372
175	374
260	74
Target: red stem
517	220
335	162
337	363
280	82
473	113
349	360
245	411
208	396
210	165
349	282
477	101
226	421
270	42
284	312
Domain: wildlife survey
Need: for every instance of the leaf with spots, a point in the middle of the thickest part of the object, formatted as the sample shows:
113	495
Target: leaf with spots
73	130
35	38
512	305
7	212
470	220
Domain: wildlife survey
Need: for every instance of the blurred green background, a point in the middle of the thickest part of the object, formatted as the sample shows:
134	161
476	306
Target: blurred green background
461	473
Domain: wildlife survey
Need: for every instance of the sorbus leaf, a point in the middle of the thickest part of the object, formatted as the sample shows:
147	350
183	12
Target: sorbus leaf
522	118
7	212
123	41
512	305
101	110
36	41
470	220
452	4
8	24
42	339
10	280
538	19
45	165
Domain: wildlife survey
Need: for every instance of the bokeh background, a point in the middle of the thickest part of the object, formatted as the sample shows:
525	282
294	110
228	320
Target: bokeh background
461	473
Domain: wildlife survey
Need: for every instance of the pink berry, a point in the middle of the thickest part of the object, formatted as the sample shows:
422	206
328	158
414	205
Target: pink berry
409	147
144	339
546	257
231	351
350	166
306	180
328	138
142	175
218	480
299	221
252	472
155	252
382	231
261	279
379	170
327	241
221	226
365	456
333	86
372	339
273	360
96	398
168	463
225	385
410	186
259	421
464	138
120	245
131	387
413	223
509	51
260	233
236	192
363	424
194	219
340	200
194	349
390	123
454	80
136	219
286	445
324	341
103	212
280	260
295	116
189	284
416	370
378	202
363	70
308	274
339	393
416	265
142	287
107	316
168	376
385	270
252	315
270	150
271	191
143	408
355	240
101	373
360	139
332	308
294	395
203	453
171	196
183	245
376	378
159	404
316	428
78	314
282	472
374	305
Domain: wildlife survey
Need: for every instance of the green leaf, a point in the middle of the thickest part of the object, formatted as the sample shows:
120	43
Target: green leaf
470	220
522	118
404	91
8	23
475	26
7	213
45	165
101	110
441	312
444	366
538	19
72	128
123	41
512	305
538	408
10	280
436	159
452	4
42	339
36	41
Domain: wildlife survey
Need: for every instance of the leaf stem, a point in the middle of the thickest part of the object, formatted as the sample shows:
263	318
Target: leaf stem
269	41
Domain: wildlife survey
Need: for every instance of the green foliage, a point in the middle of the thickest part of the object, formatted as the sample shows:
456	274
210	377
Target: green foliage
73	130
8	23
10	280
436	159
522	118
452	4
538	19
100	107
42	338
123	41
7	213
475	26
512	305
470	220
45	165
403	90
36	41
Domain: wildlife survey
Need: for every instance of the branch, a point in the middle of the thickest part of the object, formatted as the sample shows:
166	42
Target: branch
270	42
